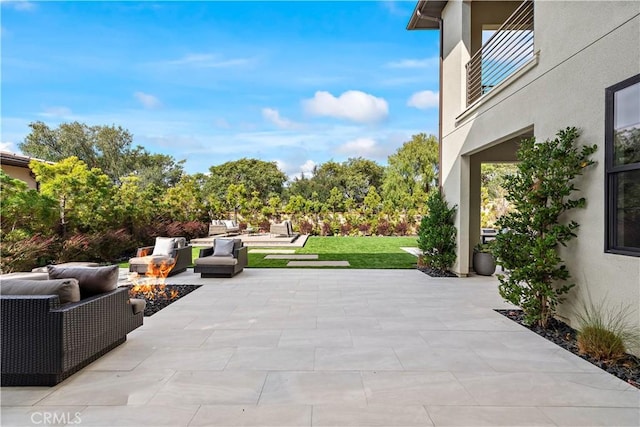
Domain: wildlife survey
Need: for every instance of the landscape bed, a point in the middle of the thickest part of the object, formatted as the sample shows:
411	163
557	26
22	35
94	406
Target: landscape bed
558	332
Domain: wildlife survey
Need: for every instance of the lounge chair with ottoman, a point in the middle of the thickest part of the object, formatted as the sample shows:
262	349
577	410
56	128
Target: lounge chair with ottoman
283	229
226	258
52	328
166	250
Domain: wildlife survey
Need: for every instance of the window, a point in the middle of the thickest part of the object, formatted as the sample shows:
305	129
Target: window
622	158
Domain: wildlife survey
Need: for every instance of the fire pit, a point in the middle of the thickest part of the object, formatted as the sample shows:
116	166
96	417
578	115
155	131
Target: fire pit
159	296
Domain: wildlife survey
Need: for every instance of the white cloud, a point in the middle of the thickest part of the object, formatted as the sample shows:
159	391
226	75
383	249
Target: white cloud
293	171
56	111
424	99
365	147
208	60
7	146
148	101
19	4
414	63
352	105
307	167
274	117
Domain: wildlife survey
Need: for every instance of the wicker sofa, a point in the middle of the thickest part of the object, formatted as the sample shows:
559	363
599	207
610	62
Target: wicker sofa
212	264
223	226
45	340
177	250
283	229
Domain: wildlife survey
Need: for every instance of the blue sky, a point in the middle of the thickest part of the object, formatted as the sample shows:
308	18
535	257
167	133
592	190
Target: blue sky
299	83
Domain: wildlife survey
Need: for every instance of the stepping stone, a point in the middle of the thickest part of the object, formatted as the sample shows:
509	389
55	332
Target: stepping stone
272	251
413	251
318	264
291	257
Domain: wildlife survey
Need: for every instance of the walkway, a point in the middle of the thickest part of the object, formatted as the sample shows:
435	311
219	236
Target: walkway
280	347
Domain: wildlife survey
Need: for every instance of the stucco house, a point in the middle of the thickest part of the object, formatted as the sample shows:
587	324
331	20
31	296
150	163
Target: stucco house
17	166
516	69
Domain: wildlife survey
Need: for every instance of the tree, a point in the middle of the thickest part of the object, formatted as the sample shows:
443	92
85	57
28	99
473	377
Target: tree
83	194
256	175
372	202
23	209
437	234
541	194
184	201
108	148
494	202
411	172
236	198
335	202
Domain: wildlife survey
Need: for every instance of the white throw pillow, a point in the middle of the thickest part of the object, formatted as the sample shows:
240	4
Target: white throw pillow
164	246
223	247
228	223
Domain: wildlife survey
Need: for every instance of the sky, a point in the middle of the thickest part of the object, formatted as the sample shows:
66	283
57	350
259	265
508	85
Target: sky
298	83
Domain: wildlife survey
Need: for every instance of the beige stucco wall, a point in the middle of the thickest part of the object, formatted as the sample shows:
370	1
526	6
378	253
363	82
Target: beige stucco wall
580	54
23	174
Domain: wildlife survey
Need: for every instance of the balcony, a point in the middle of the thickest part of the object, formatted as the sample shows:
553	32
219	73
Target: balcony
504	53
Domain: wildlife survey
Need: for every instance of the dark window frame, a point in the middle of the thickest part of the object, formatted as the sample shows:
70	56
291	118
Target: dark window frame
612	172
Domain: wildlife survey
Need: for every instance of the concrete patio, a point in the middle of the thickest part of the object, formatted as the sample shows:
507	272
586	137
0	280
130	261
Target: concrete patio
298	347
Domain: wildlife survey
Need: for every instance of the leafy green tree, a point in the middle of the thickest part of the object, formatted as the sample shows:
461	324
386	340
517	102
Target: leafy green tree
135	206
108	148
494	203
236	198
184	201
25	210
372	202
335	202
437	233
541	193
411	172
84	195
255	175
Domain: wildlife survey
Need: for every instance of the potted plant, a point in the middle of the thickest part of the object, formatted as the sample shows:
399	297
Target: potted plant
483	261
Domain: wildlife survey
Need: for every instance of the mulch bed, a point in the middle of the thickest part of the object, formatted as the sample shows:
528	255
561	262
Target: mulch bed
558	332
163	298
436	273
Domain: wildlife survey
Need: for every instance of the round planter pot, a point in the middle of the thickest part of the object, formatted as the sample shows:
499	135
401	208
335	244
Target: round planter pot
484	264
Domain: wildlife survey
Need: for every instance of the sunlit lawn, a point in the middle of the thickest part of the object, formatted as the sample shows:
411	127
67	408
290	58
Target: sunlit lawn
361	252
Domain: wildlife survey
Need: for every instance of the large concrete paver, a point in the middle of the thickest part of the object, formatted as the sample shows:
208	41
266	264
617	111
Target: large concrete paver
333	348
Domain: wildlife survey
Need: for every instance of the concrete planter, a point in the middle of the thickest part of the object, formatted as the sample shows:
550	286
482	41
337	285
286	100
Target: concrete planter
484	264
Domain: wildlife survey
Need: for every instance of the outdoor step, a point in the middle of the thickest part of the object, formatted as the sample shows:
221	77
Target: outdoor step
413	251
318	264
291	257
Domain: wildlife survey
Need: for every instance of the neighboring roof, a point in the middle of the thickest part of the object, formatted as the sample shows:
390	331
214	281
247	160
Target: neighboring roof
20	160
426	14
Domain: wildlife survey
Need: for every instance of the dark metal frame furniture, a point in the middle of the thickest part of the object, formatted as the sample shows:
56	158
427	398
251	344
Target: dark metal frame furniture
44	342
209	270
181	255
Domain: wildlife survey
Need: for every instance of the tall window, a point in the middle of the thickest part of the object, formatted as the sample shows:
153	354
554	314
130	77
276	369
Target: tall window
622	138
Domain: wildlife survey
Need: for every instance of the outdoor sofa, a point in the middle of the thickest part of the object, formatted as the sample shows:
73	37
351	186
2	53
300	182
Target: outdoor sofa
52	328
223	226
166	250
226	258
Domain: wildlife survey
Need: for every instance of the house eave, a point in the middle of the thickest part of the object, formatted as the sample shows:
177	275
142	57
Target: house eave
426	15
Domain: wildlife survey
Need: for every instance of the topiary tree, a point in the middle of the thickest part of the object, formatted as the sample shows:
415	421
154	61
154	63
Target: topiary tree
437	234
540	192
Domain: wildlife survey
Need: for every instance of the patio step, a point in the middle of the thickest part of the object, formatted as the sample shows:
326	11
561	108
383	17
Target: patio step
318	264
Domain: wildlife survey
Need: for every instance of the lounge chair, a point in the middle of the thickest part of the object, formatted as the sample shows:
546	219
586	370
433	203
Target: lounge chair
283	229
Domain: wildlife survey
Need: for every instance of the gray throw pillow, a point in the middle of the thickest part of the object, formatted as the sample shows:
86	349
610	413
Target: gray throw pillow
164	246
92	280
223	247
66	289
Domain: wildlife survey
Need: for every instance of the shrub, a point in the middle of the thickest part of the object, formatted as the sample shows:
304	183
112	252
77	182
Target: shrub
113	245
345	229
306	227
364	228
437	234
77	247
402	228
264	225
326	230
540	193
384	228
606	334
25	254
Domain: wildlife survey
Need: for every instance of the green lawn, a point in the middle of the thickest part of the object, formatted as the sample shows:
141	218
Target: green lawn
361	252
